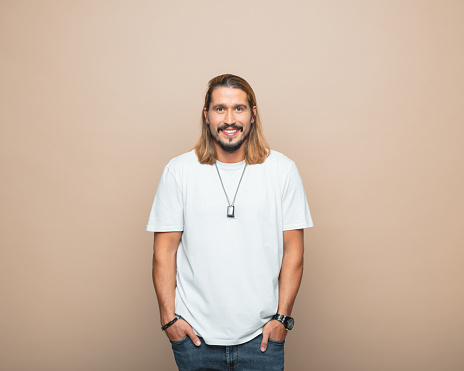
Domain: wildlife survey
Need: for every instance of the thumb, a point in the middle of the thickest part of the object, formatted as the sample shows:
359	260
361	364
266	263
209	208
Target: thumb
264	342
193	337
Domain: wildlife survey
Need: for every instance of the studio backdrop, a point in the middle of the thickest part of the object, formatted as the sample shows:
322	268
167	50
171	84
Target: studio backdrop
365	96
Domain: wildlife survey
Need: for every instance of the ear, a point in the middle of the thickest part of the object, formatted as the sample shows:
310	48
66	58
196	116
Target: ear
205	114
254	112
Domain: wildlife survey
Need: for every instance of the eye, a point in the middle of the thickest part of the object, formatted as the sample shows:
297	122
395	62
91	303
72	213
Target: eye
220	109
239	109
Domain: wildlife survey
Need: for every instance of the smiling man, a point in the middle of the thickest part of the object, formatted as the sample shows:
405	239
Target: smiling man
228	219
231	115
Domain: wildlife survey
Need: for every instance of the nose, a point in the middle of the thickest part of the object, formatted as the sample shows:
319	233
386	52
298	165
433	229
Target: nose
229	117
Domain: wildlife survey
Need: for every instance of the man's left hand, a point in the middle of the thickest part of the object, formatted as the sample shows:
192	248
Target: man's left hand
273	330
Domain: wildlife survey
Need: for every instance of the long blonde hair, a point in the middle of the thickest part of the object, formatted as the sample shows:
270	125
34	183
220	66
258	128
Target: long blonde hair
256	147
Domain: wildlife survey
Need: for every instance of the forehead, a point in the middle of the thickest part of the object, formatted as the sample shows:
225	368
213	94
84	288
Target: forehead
228	96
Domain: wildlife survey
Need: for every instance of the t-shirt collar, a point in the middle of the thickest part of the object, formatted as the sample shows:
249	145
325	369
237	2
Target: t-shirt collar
231	166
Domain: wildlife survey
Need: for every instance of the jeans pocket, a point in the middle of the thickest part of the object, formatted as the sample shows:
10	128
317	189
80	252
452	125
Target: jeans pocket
181	341
279	342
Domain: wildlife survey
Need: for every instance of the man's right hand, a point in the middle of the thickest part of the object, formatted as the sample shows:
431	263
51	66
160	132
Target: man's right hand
179	330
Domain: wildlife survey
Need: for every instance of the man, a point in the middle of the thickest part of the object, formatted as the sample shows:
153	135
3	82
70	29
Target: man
228	219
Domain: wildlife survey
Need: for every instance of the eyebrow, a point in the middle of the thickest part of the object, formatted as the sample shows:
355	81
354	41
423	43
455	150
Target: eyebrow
220	105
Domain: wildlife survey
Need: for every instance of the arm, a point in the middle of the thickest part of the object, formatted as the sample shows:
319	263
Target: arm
289	283
165	246
291	271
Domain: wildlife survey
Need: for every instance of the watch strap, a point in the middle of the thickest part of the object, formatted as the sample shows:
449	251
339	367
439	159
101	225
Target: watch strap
284	320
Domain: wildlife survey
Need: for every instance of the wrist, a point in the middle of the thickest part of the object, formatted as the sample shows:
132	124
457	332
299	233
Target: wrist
284	312
287	321
170	323
167	317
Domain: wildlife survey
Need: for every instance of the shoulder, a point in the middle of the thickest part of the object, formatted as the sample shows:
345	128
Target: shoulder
279	157
187	159
185	166
279	161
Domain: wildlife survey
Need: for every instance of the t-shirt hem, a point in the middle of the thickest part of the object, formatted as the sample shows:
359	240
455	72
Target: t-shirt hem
166	228
289	227
242	340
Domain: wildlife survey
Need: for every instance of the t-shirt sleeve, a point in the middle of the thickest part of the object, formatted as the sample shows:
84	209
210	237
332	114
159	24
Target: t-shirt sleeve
167	212
296	214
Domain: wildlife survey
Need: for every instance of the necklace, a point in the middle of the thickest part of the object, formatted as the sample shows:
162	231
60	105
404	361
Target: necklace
231	207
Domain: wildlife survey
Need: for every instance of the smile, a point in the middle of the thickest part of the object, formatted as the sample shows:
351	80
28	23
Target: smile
230	132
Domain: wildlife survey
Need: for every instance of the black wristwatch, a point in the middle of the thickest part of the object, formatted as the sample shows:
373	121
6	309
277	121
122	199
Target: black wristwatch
288	322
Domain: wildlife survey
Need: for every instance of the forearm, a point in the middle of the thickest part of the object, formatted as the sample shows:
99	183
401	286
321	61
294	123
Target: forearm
164	279
164	274
291	271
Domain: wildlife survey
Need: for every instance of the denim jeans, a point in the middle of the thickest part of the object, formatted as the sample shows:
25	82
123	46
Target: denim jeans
243	357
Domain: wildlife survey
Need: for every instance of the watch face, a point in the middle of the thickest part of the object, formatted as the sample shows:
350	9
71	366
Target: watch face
290	323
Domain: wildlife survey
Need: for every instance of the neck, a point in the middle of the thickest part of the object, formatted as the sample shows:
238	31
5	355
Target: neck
230	157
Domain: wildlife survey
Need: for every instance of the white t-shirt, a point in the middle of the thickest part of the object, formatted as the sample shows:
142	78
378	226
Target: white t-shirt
228	268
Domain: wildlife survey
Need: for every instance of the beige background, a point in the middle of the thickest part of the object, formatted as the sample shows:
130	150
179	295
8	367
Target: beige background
365	96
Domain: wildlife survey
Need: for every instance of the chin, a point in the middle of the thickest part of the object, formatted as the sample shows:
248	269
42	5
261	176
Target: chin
231	147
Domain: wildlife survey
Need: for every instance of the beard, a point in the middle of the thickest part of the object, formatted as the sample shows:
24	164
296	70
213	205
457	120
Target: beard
229	147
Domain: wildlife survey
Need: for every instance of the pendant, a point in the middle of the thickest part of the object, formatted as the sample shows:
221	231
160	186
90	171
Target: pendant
230	211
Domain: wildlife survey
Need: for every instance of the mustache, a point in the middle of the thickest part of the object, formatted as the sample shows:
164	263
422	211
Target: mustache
225	127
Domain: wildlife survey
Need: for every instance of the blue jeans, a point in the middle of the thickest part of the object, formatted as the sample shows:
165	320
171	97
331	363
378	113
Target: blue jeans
243	357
